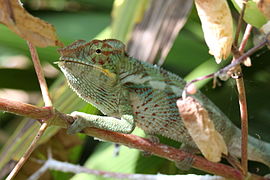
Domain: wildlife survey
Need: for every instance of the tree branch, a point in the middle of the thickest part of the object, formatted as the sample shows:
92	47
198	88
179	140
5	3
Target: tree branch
56	118
28	152
48	103
241	90
40	75
224	71
243	102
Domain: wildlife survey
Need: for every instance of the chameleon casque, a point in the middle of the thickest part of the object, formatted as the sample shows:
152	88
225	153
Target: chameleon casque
134	93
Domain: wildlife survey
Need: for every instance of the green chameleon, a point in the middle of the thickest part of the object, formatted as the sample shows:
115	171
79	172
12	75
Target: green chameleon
133	93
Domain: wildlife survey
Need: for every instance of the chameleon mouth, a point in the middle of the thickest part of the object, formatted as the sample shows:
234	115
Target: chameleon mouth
98	68
72	61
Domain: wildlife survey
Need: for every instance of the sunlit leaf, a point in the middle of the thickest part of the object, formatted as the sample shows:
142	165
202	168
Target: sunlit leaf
30	28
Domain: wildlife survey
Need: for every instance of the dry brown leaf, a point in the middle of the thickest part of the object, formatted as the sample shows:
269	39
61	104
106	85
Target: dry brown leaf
202	129
264	6
217	25
30	28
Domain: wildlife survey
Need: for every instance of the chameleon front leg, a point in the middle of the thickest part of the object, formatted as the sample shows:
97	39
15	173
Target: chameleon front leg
83	120
124	125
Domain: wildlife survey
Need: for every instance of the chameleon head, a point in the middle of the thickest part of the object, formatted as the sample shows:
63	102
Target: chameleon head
92	67
96	57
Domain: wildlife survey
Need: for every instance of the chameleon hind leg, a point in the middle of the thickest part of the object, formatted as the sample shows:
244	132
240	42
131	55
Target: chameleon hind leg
154	139
187	162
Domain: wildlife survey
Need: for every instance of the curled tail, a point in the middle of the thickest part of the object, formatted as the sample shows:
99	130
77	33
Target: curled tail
258	150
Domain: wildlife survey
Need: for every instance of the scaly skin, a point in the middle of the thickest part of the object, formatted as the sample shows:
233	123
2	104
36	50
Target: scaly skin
139	94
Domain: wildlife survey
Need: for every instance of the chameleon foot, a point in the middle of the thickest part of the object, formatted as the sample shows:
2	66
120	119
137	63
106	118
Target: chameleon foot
78	125
153	139
185	164
233	161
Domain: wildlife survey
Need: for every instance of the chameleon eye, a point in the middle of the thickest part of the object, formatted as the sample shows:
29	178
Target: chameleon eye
98	51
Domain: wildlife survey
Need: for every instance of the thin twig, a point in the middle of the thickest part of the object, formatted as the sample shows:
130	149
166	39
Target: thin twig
244	122
40	75
243	107
47	102
28	152
240	21
245	38
236	62
241	88
242	57
243	104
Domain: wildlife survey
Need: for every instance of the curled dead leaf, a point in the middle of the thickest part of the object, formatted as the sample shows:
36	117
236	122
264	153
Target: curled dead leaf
202	129
217	25
28	27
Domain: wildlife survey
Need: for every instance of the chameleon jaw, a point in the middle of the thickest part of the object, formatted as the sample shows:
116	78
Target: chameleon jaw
106	72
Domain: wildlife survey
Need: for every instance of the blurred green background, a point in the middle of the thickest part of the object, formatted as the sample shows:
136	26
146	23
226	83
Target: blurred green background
86	19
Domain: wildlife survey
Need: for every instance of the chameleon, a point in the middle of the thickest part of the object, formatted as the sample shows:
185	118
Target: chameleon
132	93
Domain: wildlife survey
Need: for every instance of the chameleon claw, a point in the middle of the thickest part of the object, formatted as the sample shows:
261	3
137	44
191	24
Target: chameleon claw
185	164
74	128
77	126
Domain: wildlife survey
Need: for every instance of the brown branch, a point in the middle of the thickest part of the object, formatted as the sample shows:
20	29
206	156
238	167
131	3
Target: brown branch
245	38
235	63
24	109
243	105
243	57
129	140
28	152
240	21
244	122
40	75
48	103
241	87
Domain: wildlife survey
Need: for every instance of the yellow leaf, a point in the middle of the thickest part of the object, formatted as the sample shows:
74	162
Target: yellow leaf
28	27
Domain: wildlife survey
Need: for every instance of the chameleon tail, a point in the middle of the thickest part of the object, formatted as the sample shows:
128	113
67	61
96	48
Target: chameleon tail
258	150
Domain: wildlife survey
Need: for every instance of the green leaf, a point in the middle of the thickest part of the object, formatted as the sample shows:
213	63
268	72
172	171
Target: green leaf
252	14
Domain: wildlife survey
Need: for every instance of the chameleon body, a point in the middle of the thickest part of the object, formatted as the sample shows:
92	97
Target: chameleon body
134	93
